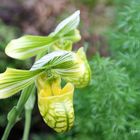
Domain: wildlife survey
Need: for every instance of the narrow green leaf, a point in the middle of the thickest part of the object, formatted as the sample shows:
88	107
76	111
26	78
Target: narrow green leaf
13	80
68	24
28	46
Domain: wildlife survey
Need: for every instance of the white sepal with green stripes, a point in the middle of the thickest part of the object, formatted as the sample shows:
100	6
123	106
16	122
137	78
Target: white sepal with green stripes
58	59
28	46
68	24
13	80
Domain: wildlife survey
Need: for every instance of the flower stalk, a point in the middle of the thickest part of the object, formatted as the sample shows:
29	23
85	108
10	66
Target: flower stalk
14	114
28	114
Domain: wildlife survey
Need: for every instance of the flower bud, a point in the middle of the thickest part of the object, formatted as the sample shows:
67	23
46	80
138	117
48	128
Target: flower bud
56	104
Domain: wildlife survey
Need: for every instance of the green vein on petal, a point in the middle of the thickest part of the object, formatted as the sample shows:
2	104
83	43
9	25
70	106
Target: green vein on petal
14	80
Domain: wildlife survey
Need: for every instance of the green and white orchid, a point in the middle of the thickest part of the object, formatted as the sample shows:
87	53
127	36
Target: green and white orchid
54	61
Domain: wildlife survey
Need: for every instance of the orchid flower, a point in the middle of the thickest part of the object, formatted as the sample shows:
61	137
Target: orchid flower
55	62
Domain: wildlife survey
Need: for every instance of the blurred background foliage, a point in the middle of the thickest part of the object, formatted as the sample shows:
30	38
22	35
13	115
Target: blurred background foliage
108	109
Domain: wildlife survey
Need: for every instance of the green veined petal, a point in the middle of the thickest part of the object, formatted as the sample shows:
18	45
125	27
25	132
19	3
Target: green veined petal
73	67
28	46
13	80
60	112
57	59
57	107
68	24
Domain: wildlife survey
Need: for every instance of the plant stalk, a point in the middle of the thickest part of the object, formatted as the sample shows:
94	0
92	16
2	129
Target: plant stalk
13	115
28	113
7	131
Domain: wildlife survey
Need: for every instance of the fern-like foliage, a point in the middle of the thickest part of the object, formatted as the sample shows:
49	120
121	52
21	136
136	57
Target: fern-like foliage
125	40
125	47
111	103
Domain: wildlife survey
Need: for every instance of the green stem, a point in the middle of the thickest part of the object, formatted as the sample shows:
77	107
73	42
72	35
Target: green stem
28	112
13	115
27	124
29	107
7	131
